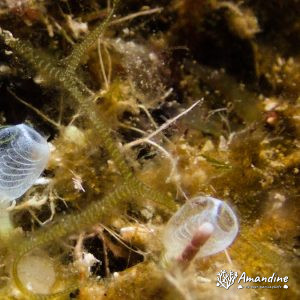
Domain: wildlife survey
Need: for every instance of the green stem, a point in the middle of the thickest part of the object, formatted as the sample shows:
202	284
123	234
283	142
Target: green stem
99	210
50	69
79	50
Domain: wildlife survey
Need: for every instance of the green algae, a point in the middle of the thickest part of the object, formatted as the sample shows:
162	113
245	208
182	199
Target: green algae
241	144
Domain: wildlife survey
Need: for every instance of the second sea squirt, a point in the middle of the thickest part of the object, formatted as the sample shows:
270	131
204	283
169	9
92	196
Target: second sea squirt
201	227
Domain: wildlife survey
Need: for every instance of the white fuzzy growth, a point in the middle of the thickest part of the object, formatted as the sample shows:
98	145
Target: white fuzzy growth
209	214
24	154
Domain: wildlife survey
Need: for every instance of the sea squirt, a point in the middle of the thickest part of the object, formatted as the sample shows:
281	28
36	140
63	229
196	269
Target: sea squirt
195	214
24	154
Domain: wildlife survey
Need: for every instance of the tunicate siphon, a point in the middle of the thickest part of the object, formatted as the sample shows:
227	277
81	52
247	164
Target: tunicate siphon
185	223
24	154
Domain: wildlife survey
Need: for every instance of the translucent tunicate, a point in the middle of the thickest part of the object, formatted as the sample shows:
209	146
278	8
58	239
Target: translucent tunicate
144	69
182	227
24	154
37	273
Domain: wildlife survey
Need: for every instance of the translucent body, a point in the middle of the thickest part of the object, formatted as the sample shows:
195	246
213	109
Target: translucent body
187	220
37	273
24	154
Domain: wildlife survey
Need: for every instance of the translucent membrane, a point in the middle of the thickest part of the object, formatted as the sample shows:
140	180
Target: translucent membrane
37	273
188	219
24	154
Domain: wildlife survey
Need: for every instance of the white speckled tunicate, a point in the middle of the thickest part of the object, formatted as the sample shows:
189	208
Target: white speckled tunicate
187	220
24	154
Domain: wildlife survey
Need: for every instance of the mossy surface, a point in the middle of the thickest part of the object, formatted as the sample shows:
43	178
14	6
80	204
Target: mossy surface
110	190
